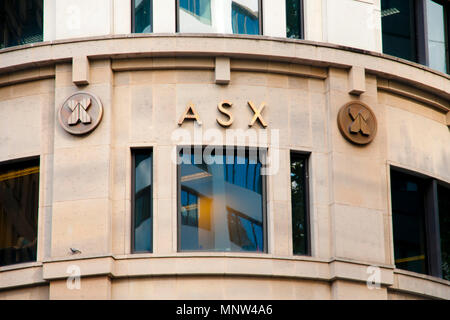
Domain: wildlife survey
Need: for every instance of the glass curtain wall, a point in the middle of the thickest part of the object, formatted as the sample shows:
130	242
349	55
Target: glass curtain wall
219	16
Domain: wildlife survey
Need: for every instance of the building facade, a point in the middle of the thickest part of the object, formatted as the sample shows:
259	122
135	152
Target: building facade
206	149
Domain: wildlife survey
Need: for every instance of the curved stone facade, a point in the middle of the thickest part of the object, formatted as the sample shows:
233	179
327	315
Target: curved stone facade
145	83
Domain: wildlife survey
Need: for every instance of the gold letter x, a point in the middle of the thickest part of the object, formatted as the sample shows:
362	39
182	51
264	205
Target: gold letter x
257	114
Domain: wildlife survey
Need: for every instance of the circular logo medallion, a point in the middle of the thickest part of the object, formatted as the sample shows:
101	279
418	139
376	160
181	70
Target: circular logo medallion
357	123
80	113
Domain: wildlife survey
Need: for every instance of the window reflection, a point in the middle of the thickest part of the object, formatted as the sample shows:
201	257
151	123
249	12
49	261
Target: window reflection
21	22
436	36
143	217
221	203
245	19
142	16
19	200
219	16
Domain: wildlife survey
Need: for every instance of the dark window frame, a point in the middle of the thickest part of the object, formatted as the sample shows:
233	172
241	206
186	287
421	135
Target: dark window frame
431	212
264	193
133	16
301	21
306	157
260	17
134	151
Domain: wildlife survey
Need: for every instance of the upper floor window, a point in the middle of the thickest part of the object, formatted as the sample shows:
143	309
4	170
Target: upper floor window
142	16
421	223
20	22
219	16
417	30
19	201
294	19
221	200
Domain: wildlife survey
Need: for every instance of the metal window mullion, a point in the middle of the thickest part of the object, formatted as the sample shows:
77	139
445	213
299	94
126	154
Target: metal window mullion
432	228
421	30
301	23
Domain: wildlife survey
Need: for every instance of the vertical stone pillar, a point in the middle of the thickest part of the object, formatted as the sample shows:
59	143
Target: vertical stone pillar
82	191
358	204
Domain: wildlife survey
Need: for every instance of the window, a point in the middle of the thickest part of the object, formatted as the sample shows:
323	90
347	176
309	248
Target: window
299	203
444	228
217	16
421	223
142	201
19	201
294	19
437	35
142	16
221	200
20	22
417	30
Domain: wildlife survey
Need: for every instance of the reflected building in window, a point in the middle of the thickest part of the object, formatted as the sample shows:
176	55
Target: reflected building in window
219	16
221	204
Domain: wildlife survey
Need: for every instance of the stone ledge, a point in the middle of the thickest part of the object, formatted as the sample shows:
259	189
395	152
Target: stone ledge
240	47
144	265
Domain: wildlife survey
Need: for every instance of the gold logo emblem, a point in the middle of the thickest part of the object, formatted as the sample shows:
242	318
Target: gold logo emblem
80	113
357	123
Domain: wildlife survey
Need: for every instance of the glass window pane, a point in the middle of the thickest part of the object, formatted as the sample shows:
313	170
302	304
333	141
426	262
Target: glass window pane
19	201
436	36
219	16
221	203
143	217
398	28
408	214
444	228
143	16
298	202
20	22
293	19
